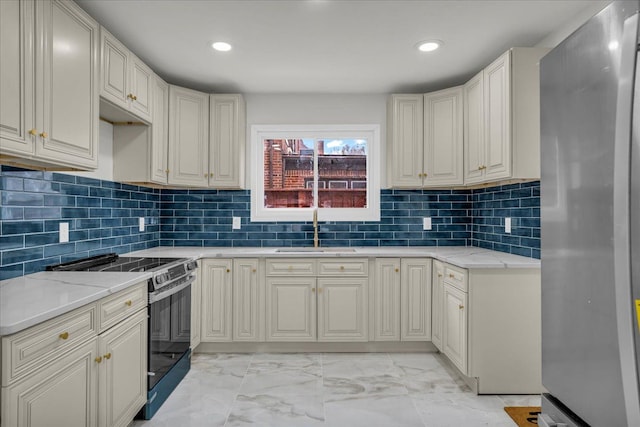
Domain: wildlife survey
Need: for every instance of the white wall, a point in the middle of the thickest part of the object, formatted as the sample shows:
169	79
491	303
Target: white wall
105	154
553	39
316	109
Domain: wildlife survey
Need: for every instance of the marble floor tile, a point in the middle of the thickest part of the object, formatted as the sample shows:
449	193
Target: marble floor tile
336	390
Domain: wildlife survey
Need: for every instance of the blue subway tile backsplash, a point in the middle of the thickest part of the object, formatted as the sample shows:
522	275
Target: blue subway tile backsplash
103	217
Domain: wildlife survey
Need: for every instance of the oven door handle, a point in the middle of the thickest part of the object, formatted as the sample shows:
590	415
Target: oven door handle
160	295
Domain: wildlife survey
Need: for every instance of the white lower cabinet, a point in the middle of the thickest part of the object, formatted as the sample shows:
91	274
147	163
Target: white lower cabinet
77	373
319	300
123	371
248	300
454	337
402	299
216	300
437	304
291	309
196	307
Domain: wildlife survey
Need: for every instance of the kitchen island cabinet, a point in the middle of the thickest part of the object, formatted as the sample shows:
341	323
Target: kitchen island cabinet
62	132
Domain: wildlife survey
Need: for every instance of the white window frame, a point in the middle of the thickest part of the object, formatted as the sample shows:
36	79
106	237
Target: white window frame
370	132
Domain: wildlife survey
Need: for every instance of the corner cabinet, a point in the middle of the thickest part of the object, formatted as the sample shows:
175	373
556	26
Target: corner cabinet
502	119
125	80
42	122
188	137
402	299
425	139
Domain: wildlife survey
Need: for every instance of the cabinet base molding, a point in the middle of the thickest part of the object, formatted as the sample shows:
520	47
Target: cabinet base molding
316	347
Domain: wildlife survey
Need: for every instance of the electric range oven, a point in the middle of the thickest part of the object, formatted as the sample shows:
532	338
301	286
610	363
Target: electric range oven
169	312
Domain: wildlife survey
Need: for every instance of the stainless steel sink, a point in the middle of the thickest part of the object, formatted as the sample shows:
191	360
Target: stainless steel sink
315	250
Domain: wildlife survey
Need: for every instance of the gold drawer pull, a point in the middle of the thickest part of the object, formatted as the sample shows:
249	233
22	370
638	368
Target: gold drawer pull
98	359
253	270
342	267
44	135
319	290
107	356
228	270
439	274
64	335
461	307
33	132
397	270
452	276
128	303
313	290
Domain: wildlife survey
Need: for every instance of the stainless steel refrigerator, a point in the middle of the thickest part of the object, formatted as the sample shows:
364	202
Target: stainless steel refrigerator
590	213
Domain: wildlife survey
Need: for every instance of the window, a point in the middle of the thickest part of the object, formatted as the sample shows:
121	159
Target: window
298	169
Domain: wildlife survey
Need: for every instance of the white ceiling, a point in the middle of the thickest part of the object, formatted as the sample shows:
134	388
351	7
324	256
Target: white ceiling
327	46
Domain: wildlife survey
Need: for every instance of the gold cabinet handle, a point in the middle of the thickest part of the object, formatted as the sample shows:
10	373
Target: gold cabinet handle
253	270
211	175
98	359
135	98
131	97
228	270
107	356
452	276
290	267
313	290
342	267
128	303
397	270
167	171
461	307
33	132
439	274
319	290
64	335
44	135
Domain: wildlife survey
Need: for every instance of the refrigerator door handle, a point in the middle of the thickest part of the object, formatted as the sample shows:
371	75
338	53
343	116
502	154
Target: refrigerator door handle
626	213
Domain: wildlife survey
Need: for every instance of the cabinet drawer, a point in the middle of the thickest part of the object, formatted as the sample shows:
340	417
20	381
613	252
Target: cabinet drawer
351	267
117	307
27	350
456	276
291	267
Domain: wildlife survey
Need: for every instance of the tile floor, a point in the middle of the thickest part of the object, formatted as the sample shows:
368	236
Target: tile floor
329	389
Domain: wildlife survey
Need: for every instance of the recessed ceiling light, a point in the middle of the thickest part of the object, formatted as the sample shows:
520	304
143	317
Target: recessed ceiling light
221	46
429	45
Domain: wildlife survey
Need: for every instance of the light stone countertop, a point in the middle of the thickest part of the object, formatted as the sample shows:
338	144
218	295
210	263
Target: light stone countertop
28	300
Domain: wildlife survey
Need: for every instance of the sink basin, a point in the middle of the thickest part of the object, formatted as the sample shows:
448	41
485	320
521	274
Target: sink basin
315	250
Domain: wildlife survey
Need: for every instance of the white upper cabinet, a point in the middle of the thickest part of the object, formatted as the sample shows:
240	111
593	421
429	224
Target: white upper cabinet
425	139
125	80
159	151
502	119
405	140
188	137
443	151
42	121
227	129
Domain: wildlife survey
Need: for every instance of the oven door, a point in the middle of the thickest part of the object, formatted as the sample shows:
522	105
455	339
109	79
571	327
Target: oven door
169	328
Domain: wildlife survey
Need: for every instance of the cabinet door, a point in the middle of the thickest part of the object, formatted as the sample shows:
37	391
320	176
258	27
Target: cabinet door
216	300
248	301
386	295
115	70
196	307
227	139
188	137
454	336
416	299
443	150
123	371
405	140
291	308
437	304
342	309
497	106
141	79
62	393
67	84
474	144
17	84
160	132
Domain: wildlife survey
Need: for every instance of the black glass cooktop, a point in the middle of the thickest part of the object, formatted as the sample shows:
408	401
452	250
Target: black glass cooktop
112	262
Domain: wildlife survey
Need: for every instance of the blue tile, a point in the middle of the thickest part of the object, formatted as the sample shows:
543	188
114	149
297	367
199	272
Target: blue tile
11	271
21	255
74	190
11	242
11	183
21	227
40	239
14	198
11	213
